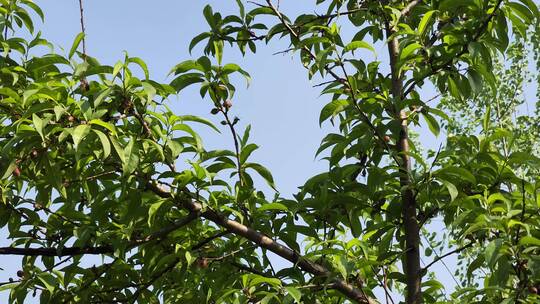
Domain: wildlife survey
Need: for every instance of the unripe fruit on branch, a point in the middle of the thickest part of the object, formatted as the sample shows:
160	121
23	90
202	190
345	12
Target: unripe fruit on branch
71	118
227	104
17	172
202	263
84	85
126	107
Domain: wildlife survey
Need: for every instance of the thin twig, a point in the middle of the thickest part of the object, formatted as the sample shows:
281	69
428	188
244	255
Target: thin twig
382	283
154	278
231	124
209	239
439	258
249	269
83	29
345	81
464	49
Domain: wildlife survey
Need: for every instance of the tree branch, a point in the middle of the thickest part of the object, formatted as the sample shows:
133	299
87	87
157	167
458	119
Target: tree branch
346	82
411	228
58	252
249	269
264	242
209	239
407	9
458	250
105	249
83	30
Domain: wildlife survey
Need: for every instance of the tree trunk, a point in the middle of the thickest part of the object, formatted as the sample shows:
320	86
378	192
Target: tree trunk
411	258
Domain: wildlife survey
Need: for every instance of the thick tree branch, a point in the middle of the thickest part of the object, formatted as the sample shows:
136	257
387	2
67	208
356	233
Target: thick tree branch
407	9
58	252
411	259
265	242
105	249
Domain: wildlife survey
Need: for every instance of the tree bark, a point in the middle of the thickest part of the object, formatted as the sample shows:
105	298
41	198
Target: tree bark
411	228
263	241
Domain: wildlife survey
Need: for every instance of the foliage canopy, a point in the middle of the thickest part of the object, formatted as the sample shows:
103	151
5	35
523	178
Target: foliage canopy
90	158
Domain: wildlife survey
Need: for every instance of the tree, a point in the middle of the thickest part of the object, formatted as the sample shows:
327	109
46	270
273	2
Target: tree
89	158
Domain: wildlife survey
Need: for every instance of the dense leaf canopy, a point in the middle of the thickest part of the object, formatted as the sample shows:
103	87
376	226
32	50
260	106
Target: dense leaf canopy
94	162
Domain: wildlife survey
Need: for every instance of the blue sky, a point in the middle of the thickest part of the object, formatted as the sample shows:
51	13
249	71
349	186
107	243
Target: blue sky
281	104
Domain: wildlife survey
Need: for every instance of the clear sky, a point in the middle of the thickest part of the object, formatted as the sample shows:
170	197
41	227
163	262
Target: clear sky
281	104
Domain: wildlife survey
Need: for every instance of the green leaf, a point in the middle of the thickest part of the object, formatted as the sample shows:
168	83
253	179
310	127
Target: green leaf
75	44
273	206
246	152
48	280
156	147
138	61
454	88
459	174
36	9
529	240
491	252
218	50
8	286
116	69
432	123
358	45
231	67
258	279
104	142
184	80
189	130
79	133
198	39
189	258
452	190
152	212
423	25
186	66
294	293
245	137
199	120
475	80
263	172
38	124
408	50
10	169
119	149
104	124
332	109
209	15
131	156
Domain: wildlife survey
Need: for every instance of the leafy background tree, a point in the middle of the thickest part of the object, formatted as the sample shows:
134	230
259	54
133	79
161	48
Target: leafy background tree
171	233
